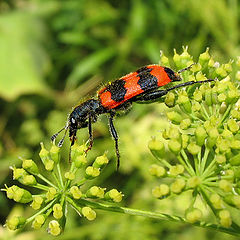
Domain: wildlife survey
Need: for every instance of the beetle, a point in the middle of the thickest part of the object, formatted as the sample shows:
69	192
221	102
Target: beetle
139	86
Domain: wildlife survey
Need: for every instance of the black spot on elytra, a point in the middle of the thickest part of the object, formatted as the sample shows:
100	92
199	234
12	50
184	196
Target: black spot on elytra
144	69
147	81
170	73
117	90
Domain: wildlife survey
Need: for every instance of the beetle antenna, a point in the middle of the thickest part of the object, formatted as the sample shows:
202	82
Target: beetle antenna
54	136
185	69
62	140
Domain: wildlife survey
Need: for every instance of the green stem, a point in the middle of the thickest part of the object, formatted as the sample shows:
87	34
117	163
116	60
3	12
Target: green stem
42	187
46	180
41	211
225	114
60	175
204	111
186	160
56	179
204	160
159	216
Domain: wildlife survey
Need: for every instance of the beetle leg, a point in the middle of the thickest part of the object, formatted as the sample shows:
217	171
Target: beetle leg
115	137
90	131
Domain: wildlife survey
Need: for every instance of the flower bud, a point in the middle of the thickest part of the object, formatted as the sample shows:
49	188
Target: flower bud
69	175
80	161
163	59
57	211
44	153
170	99
193	215
158	171
193	182
88	213
54	228
77	150
184	103
18	194
204	57
227	134
176	170
30	166
95	192
174	117
161	191
220	159
225	218
197	95
113	195
15	222
196	107
212	137
157	148
235	161
232	125
177	59
200	134
193	148
208	97
51	193
235	114
216	200
37	202
221	72
18	173
225	185
235	144
232	96
185	140
29	180
92	172
178	185
38	221
76	192
196	68
100	161
185	123
174	146
55	153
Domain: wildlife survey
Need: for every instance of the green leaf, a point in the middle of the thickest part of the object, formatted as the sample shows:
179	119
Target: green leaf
23	60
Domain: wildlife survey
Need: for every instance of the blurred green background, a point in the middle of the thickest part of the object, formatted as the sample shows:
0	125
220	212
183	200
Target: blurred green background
55	53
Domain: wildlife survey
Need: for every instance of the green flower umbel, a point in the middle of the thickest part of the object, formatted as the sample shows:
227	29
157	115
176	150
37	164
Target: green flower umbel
56	195
204	138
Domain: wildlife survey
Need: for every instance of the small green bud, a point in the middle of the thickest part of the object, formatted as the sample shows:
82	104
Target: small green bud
193	215
114	195
235	161
54	228
174	117
193	148
176	170
158	171
227	134
37	202
235	114
200	134
170	99
57	211
220	159
76	192
211	63
221	72
225	218
196	68
178	185
80	161
95	192
92	172
185	103
18	173
157	148
233	200
225	185
174	146
185	140
193	182
163	59
174	133
51	193
100	161
44	153
201	77
15	222
204	57
196	107
55	153
30	166
77	150
69	175
88	213
29	180
222	97
197	95
232	125
232	96
216	200
38	221
49	165
185	123
228	67
161	191
223	145
235	144
18	194
212	137
208	97
176	58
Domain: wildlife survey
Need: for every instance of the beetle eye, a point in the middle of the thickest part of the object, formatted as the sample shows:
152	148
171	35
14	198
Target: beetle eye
73	120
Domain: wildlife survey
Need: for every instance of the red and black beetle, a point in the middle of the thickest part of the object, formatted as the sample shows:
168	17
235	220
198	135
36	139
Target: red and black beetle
139	86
